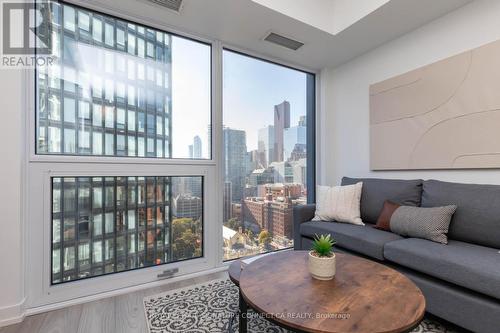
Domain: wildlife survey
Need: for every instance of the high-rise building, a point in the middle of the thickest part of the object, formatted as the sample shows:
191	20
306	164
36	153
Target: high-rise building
188	185
303	121
283	172
293	136
235	161
75	119
299	152
261	177
197	147
253	161
281	122
265	145
195	150
228	193
274	216
185	206
299	172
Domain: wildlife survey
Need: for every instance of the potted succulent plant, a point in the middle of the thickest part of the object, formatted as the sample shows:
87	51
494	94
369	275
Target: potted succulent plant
322	258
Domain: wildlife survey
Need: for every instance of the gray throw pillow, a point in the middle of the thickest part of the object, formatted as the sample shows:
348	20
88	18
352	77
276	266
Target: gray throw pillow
428	223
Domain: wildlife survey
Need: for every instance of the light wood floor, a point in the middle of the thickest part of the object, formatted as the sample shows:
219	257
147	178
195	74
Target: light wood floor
120	314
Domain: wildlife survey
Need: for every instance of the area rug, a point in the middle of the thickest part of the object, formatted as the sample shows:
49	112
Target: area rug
210	308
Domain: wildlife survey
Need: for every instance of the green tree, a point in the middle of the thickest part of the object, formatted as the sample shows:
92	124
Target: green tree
250	235
233	223
265	239
186	238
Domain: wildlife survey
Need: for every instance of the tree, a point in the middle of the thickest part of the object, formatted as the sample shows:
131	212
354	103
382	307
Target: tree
186	238
233	223
265	239
250	235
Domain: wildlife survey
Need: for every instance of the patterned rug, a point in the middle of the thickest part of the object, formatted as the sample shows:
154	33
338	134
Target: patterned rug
210	307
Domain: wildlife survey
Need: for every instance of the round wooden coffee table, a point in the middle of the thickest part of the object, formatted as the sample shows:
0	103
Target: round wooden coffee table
364	296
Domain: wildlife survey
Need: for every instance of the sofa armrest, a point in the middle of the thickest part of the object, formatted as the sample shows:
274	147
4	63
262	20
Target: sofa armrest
302	213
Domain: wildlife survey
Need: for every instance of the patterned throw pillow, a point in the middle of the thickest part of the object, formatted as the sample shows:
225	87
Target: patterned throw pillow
428	223
339	204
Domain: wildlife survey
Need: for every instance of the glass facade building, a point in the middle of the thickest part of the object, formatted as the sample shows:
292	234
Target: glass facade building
103	225
109	92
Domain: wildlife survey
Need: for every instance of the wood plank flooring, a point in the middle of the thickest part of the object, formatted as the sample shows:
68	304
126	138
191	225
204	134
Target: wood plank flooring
123	314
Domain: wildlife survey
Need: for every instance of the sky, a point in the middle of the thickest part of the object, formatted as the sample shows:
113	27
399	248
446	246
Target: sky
191	100
251	89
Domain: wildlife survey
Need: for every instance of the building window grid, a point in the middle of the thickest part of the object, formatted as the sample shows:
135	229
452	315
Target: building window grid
157	106
150	254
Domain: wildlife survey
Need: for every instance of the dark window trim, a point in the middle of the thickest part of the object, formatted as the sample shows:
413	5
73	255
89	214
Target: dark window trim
311	121
310	128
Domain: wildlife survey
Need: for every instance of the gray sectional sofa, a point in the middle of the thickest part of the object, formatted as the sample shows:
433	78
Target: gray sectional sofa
461	280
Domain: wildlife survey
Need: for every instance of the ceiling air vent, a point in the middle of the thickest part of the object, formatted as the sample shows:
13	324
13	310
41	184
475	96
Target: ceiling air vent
174	5
283	41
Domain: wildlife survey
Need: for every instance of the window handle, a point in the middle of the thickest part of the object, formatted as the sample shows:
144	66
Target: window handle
168	273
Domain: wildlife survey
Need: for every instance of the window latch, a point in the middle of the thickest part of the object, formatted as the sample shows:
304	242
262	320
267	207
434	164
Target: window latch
168	273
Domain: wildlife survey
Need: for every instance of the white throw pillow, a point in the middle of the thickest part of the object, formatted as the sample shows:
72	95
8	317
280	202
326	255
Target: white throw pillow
339	203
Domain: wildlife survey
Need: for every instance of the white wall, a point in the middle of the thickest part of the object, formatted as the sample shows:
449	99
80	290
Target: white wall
346	142
11	166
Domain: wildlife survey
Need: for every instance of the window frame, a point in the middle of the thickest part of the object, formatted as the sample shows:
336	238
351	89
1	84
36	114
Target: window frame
312	129
38	170
60	158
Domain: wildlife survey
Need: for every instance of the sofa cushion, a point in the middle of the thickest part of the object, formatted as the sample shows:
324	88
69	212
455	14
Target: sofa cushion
377	191
477	219
471	266
363	239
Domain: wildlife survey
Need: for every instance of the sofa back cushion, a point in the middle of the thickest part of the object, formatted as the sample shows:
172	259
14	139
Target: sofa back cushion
477	218
376	191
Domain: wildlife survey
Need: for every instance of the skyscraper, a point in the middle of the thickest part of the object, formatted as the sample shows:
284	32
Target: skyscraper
235	161
185	206
195	150
295	135
281	122
265	145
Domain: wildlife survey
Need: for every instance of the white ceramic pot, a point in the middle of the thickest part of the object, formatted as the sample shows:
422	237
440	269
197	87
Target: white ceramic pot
322	268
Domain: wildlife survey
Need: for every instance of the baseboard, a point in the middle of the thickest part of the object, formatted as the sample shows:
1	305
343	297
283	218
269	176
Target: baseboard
118	292
12	314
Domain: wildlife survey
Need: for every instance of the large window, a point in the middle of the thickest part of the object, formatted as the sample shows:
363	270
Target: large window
102	225
127	92
122	174
122	89
268	152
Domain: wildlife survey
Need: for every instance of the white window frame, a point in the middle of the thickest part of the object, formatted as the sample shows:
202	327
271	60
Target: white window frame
38	170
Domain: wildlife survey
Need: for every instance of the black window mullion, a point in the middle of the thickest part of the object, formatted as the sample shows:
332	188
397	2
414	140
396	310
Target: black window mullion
170	239
115	259
155	217
61	231
77	226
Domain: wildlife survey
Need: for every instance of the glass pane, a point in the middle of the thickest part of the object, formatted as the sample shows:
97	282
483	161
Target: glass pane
134	85
113	224
265	152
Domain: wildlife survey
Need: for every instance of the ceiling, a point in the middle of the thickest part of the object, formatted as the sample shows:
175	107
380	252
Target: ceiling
244	23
